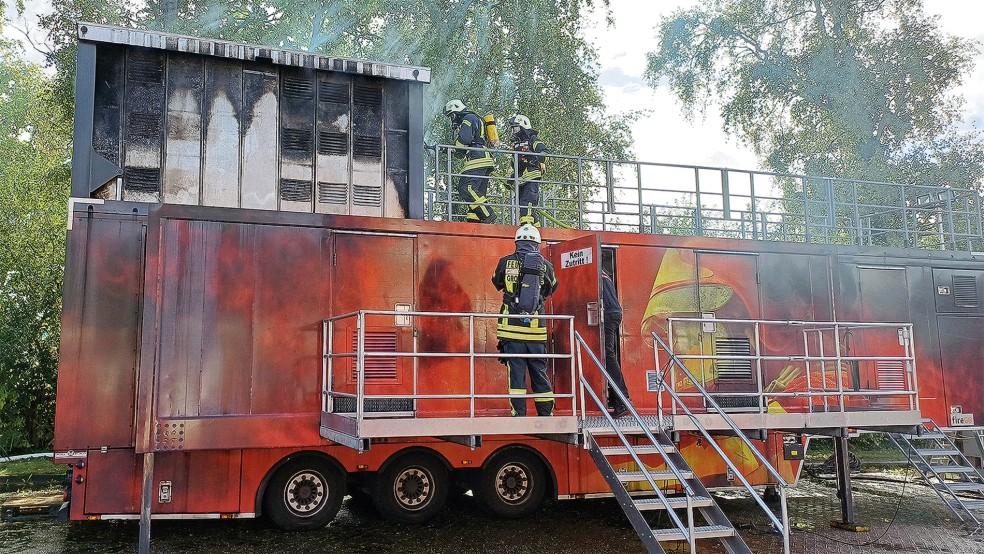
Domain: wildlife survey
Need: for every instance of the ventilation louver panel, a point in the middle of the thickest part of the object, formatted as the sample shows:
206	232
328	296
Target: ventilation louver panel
381	368
365	146
295	190
334	92
333	193
298	140
144	124
733	370
332	144
297	87
370	97
891	374
142	179
145	70
965	291
367	196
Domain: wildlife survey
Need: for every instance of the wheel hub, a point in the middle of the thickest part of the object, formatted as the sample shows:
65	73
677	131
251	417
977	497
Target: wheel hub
413	488
513	483
305	493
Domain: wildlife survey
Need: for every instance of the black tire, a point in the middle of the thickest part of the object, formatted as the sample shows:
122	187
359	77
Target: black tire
412	489
513	484
304	494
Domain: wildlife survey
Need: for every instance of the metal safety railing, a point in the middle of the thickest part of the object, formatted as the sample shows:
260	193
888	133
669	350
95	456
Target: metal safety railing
733	357
657	198
333	350
780	523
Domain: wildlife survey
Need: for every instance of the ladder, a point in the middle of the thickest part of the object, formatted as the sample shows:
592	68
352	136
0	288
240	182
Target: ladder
944	468
670	490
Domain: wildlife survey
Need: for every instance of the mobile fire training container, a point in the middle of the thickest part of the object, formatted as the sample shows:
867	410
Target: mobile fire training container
258	320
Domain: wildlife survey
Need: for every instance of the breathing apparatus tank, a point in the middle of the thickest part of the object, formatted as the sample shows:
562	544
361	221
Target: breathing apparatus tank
532	270
491	131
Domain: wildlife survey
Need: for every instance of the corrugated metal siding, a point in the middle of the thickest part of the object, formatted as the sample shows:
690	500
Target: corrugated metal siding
224	49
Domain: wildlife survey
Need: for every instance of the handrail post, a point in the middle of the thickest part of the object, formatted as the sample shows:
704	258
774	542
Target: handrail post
784	511
325	387
570	326
450	187
840	376
514	194
360	367
758	369
638	167
580	365
806	362
659	388
580	193
471	364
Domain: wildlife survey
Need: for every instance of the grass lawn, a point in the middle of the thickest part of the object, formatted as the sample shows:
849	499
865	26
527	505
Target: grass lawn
31	466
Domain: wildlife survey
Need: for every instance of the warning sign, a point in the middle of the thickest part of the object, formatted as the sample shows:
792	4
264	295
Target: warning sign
575	258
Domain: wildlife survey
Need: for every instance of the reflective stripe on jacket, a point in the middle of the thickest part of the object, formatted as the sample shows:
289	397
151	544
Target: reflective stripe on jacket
471	133
506	279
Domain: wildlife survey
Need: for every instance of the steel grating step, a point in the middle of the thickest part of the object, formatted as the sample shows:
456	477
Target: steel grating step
705	532
674	501
641	449
657	475
937	452
947	469
599	425
968	504
961	486
924	436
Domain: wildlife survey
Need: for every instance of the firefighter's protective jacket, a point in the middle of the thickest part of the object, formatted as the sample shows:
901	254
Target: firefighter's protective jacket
506	278
471	133
530	166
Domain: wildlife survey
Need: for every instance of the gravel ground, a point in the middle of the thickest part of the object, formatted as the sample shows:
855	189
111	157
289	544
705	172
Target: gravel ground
903	518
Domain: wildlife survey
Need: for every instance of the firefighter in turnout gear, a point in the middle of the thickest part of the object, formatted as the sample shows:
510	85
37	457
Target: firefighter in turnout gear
529	166
526	279
469	130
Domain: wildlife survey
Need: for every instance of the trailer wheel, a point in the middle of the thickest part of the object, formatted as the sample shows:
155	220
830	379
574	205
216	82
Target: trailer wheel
304	494
412	488
512	484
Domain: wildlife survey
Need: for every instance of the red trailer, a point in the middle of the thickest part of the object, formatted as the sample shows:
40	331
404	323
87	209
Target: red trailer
267	340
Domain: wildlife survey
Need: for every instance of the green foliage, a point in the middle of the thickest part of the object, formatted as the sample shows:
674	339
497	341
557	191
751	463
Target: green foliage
858	89
34	184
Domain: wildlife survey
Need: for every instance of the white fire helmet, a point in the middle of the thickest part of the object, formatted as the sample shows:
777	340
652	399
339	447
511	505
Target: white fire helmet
528	232
454	106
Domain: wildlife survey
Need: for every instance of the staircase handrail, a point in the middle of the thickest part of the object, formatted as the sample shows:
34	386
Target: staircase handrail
686	530
781	483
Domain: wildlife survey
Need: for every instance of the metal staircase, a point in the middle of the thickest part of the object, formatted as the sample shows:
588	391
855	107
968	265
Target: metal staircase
944	468
670	490
672	487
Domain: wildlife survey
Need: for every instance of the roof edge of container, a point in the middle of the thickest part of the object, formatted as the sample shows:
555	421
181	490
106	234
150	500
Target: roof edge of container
95	32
